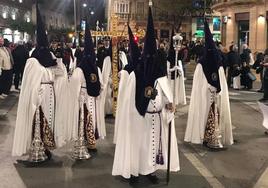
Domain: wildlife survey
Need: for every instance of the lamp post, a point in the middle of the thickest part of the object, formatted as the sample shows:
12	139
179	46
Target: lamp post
177	46
75	24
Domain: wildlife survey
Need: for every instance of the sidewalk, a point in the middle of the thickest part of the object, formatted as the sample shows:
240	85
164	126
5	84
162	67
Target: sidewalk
7	103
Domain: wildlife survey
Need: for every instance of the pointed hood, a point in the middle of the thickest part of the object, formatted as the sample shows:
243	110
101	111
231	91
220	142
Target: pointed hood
135	54
150	47
42	40
89	67
149	70
42	52
89	51
211	60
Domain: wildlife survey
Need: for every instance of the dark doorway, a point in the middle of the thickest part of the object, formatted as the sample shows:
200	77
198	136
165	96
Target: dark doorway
243	33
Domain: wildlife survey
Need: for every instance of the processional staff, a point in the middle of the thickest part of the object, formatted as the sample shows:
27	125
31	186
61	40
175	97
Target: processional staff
177	46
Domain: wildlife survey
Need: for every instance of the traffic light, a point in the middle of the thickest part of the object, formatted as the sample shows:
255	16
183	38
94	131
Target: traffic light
136	39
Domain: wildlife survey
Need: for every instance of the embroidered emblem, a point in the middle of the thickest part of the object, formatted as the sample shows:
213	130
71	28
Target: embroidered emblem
148	92
214	76
93	78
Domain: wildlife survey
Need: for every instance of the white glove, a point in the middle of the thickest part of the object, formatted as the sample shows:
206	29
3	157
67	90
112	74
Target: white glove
0	71
174	68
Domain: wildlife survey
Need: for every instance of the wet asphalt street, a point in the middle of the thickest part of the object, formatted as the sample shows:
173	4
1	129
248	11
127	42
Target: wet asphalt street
243	165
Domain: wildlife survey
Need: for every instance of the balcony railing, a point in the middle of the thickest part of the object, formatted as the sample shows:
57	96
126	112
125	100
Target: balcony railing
122	15
221	4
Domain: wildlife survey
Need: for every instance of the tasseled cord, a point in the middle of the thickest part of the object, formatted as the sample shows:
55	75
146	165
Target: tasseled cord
159	156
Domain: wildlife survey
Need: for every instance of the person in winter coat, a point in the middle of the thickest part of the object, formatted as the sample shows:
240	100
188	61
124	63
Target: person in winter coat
233	63
20	55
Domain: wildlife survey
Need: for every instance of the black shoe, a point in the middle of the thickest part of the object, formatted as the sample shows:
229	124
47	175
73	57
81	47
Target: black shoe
153	178
48	153
133	180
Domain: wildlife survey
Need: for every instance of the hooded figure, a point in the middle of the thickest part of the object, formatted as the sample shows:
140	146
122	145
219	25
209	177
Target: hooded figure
135	58
141	146
104	62
86	83
179	90
209	109
37	106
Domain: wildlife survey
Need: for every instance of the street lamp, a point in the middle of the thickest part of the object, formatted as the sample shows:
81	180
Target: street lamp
84	5
150	3
75	24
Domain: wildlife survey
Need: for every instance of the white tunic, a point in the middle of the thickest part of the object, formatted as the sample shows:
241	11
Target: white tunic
79	96
62	94
199	108
47	95
180	94
138	140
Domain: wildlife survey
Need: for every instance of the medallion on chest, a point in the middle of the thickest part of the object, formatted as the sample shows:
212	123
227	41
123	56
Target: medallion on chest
93	78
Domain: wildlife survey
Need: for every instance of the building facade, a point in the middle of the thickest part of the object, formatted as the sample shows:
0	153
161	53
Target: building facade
22	13
53	19
136	12
11	11
243	22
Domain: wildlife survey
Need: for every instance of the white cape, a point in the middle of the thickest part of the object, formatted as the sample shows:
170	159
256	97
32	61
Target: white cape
180	94
127	152
107	85
264	110
30	99
122	92
75	86
28	102
62	95
199	108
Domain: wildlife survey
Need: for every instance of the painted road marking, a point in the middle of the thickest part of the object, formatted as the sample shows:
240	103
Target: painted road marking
211	179
263	181
253	105
233	93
